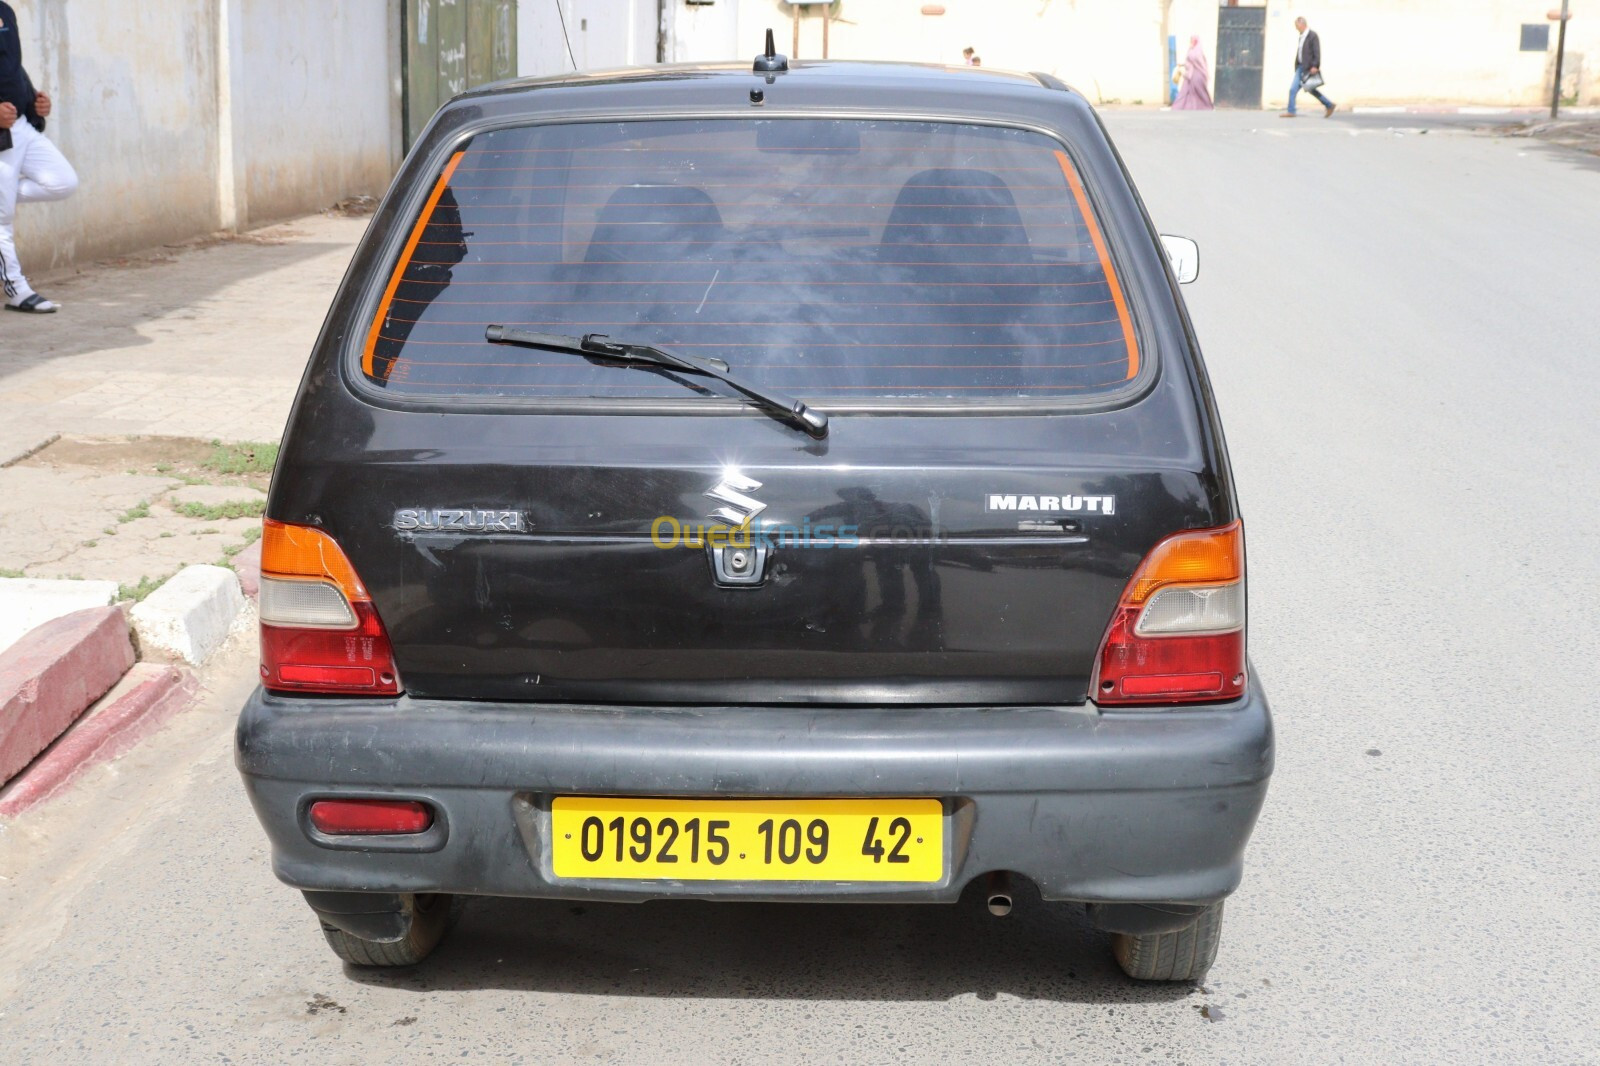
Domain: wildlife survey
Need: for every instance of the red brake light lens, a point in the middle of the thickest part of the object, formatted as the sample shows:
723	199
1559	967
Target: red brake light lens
364	816
320	632
1177	636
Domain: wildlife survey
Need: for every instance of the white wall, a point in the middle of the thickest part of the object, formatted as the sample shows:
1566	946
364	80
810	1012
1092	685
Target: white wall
187	116
134	89
1420	51
315	89
605	34
703	32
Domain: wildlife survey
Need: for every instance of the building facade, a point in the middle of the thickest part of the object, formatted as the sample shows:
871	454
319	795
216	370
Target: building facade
184	117
1117	51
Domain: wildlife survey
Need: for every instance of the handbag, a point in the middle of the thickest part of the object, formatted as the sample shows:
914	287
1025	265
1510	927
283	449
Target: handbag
1312	82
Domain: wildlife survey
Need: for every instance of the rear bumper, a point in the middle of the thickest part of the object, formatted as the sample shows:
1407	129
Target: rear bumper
1124	806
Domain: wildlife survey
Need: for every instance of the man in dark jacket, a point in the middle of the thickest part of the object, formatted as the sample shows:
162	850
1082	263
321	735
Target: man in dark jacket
1307	61
31	168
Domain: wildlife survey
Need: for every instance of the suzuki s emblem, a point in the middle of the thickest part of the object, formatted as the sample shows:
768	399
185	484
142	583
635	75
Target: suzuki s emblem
731	491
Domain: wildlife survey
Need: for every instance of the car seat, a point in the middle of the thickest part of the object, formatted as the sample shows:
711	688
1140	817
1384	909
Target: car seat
961	227
950	215
656	224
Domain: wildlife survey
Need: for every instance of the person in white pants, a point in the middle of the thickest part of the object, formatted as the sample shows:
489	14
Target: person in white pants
31	169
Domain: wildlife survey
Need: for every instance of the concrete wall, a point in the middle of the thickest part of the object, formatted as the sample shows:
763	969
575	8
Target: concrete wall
314	93
1377	51
605	33
134	88
183	117
722	30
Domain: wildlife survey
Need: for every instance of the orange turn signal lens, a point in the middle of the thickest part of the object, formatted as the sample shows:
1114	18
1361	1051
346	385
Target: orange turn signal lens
303	552
1199	557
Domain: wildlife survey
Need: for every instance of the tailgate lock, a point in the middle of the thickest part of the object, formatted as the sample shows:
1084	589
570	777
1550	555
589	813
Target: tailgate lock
734	565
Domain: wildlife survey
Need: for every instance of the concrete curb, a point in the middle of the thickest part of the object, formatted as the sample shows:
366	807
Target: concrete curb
1466	109
144	700
57	671
19	444
190	616
52	675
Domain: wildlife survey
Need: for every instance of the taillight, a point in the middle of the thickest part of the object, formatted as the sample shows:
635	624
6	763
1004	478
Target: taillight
1177	635
344	817
319	629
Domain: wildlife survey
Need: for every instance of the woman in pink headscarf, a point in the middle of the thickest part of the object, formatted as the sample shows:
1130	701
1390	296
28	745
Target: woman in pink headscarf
1194	95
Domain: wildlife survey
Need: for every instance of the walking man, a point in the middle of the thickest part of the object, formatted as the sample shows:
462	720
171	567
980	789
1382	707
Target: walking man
1307	61
31	168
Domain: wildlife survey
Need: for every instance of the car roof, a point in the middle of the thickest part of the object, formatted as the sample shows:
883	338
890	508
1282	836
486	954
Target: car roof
806	83
866	73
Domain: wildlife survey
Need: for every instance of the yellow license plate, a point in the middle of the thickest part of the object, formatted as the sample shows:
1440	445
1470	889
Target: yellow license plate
748	840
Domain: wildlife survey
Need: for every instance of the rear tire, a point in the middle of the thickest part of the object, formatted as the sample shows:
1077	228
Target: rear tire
1184	955
430	914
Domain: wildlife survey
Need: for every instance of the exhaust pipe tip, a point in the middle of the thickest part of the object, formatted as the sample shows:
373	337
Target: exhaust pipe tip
997	894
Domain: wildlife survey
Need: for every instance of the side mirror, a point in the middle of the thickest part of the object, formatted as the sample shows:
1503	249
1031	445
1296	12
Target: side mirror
1185	256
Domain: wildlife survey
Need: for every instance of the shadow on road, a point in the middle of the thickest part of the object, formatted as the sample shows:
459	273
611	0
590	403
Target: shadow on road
106	304
815	952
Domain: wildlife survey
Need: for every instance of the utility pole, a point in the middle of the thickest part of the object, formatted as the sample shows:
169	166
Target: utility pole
1561	50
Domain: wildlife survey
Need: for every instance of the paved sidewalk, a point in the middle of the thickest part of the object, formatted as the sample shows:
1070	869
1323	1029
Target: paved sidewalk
205	341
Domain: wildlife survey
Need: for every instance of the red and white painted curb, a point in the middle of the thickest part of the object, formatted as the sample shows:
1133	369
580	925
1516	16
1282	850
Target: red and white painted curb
147	697
52	675
247	564
72	696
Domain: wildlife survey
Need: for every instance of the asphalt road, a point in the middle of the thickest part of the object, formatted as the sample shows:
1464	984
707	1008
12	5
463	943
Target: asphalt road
1401	327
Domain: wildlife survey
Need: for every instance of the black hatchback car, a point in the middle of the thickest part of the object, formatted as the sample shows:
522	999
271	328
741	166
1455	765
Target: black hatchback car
790	483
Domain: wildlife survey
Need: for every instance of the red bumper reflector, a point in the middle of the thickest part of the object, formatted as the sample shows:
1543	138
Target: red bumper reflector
342	677
344	817
1171	684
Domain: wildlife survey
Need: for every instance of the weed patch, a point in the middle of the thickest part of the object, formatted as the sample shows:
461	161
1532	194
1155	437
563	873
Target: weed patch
251	457
143	588
220	511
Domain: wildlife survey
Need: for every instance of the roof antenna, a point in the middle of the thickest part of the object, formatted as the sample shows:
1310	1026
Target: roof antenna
770	61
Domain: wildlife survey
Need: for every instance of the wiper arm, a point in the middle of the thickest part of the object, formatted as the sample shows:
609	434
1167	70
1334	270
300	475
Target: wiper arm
786	409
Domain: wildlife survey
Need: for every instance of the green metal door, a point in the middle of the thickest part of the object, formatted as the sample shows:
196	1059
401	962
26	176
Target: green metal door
452	46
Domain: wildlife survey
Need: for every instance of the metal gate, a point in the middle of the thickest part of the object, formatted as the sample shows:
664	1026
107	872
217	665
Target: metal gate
452	46
1241	41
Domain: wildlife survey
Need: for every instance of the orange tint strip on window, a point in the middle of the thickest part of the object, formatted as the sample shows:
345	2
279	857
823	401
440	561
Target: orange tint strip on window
405	260
1105	261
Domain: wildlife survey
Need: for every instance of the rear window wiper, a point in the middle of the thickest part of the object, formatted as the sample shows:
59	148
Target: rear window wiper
785	409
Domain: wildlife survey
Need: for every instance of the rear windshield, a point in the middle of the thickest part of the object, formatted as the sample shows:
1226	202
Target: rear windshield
840	261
